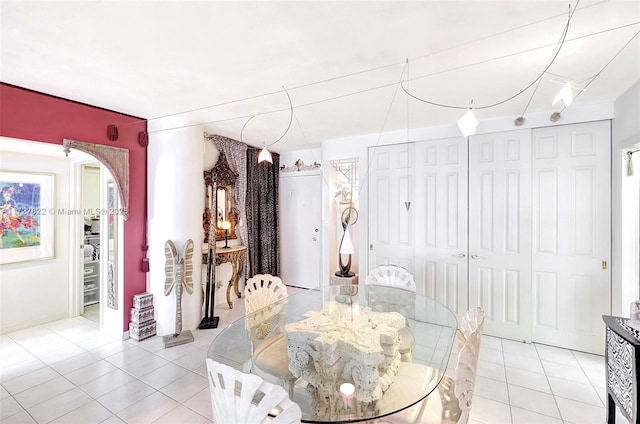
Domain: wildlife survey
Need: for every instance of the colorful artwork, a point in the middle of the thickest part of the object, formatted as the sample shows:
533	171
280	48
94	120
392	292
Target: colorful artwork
27	216
19	220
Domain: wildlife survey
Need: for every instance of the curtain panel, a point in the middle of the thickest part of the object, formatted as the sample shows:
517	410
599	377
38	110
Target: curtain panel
262	213
236	153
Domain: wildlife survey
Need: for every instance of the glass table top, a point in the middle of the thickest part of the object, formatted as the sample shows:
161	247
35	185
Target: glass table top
352	335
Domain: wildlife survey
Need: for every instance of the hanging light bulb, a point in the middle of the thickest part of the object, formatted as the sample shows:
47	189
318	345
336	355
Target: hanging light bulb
565	94
265	155
468	123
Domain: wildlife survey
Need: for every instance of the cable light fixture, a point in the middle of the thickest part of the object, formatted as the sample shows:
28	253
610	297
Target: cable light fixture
468	124
555	116
565	94
265	154
519	121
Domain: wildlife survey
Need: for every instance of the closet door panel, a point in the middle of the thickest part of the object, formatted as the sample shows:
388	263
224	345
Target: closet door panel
500	231
441	221
391	206
572	232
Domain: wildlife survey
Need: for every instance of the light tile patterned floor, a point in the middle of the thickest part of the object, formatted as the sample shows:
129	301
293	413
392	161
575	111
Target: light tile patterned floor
68	372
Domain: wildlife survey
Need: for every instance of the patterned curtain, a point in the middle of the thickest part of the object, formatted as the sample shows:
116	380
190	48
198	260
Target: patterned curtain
236	153
262	214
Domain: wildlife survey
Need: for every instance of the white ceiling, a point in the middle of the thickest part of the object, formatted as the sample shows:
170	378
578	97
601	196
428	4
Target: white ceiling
160	58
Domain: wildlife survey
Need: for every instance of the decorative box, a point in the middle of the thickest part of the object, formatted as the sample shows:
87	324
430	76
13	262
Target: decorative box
141	316
141	332
142	300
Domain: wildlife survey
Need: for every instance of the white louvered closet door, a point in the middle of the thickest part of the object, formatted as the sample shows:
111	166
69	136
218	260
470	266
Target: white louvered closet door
391	206
571	234
500	231
441	221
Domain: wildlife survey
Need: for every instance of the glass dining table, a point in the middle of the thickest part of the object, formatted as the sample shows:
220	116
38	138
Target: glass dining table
347	347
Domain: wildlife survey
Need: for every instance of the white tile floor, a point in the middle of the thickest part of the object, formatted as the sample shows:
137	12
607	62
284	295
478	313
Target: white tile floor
68	372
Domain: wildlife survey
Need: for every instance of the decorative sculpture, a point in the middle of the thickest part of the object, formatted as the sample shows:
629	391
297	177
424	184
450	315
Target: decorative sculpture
348	218
178	270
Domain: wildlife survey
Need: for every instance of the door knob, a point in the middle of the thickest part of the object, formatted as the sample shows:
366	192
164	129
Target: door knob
459	255
474	256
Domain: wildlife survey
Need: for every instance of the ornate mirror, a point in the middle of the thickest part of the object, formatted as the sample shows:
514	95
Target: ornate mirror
220	205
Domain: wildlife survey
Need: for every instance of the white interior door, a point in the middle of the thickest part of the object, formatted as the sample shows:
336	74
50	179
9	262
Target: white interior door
572	234
391	206
500	231
300	207
441	221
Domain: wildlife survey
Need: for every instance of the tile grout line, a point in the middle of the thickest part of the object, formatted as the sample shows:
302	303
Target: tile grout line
555	400
506	380
90	396
573	353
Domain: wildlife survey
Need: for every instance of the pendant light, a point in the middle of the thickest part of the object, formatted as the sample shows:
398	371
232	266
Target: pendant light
565	94
468	123
265	155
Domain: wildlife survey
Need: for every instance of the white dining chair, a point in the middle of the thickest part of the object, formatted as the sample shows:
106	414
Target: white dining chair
391	276
265	315
453	400
239	398
397	277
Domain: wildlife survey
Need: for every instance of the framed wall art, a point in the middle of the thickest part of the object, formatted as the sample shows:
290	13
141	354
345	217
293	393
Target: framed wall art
27	216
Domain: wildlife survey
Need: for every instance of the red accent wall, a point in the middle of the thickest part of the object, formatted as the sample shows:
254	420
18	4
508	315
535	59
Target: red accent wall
29	115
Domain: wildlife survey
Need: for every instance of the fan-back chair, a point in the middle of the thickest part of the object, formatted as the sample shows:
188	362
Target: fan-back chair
398	277
265	315
239	398
452	403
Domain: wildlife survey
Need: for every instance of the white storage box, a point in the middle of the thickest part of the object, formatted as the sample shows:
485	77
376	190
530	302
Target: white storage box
142	300
141	332
141	316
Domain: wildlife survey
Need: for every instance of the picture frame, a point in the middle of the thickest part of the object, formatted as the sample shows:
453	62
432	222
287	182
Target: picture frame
27	216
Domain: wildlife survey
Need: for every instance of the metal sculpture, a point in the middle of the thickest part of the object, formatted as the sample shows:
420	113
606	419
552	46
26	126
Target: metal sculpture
178	270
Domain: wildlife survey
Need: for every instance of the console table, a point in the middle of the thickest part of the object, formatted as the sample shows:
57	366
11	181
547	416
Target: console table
623	359
236	256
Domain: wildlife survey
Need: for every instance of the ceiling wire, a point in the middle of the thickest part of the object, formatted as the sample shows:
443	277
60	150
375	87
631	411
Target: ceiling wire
554	56
395	64
285	131
313	155
371	88
493	59
535	90
384	124
377	68
603	68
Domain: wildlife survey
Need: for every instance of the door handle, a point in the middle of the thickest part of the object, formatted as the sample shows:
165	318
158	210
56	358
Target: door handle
459	255
474	256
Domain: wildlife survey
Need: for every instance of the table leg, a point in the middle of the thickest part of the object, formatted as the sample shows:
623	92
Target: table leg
238	273
229	293
233	282
611	410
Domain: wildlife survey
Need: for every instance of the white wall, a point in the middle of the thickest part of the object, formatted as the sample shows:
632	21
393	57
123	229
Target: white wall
626	126
308	156
626	202
36	292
